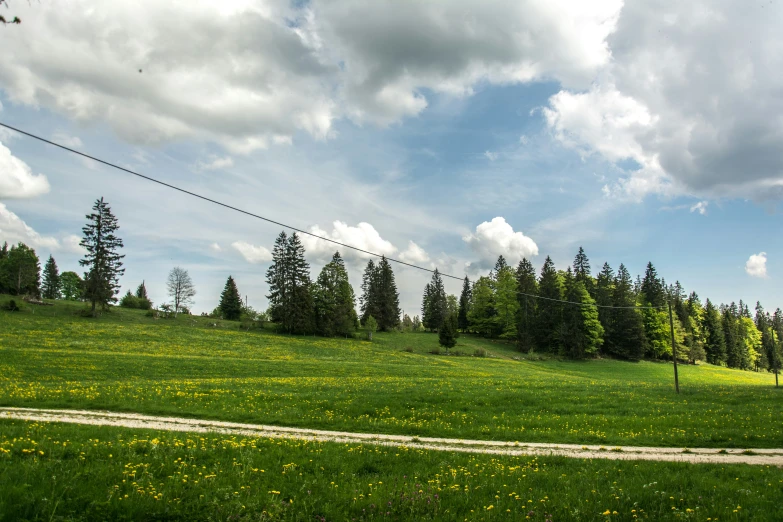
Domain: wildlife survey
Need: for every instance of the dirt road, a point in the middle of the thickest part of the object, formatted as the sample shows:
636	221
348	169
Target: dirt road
772	457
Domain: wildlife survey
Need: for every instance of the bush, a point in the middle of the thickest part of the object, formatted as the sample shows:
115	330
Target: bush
129	301
12	306
480	352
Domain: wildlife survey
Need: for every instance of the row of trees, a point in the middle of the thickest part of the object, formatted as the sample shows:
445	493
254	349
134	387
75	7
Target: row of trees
20	274
576	315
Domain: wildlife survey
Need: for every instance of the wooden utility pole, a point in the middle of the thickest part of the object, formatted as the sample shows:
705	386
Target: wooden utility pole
775	356
674	350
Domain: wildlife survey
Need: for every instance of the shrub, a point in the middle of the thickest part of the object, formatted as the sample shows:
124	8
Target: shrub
480	352
129	301
12	306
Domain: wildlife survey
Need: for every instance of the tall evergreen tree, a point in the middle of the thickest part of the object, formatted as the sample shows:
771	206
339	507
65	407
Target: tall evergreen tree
434	308
51	279
734	344
447	333
549	313
389	297
581	331
71	286
464	306
582	271
714	341
652	288
694	332
230	302
527	291
626	337
298	315
103	260
369	302
277	278
334	301
604	286
500	264
482	307
506	302
141	291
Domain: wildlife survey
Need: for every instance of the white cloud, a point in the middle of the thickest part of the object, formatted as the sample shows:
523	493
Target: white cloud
756	265
362	236
524	140
495	238
216	163
14	230
251	253
71	244
414	254
700	207
215	247
73	142
16	178
491	156
688	95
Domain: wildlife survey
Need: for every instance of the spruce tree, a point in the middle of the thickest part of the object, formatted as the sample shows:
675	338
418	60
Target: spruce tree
388	298
426	305
369	301
103	261
482	307
334	301
549	313
447	334
734	344
714	341
464	306
582	271
500	264
604	286
582	333
230	302
527	290
278	280
298	316
141	291
506	302
625	337
652	289
51	279
434	312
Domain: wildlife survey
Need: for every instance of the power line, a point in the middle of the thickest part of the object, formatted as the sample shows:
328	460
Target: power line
268	220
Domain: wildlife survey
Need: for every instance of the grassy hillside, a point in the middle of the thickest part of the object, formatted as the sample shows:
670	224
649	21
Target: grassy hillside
53	357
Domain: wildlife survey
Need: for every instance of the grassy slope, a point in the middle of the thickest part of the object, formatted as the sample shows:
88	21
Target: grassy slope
67	472
126	361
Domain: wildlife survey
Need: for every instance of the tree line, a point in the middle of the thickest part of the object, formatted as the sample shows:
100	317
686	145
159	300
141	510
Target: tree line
577	315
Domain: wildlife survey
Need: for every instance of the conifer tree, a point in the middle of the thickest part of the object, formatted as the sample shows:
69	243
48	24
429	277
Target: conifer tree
464	306
388	298
506	302
434	307
549	313
604	286
527	290
298	315
694	333
369	301
51	279
581	332
334	301
103	261
426	305
482	307
447	334
652	289
625	337
714	342
141	291
500	264
735	358
278	280
230	302
582	271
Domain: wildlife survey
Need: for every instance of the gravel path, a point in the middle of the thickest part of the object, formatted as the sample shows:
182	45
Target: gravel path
133	420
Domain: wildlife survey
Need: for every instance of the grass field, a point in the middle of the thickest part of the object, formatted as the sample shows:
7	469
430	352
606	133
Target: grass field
125	361
68	472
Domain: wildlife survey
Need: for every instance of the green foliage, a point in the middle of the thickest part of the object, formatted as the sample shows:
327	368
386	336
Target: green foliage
657	333
103	261
482	308
714	341
230	301
290	296
141	291
71	286
20	270
448	334
434	306
506	302
582	271
549	313
334	301
51	280
581	331
652	289
129	300
370	326
463	323
527	286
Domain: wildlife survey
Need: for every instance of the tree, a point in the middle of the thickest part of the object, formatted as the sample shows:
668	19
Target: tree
582	333
369	301
434	304
527	290
464	306
625	336
141	291
20	272
51	279
370	325
694	333
180	287
714	342
447	335
582	271
482	307
230	302
101	281
506	302
549	314
298	317
735	347
604	286
388	298
71	286
334	301
652	289
277	279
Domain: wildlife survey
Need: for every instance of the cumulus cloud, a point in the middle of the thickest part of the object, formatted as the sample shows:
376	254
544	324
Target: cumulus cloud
495	238
700	207
216	163
215	247
414	254
756	265
16	178
363	236
13	230
688	96
252	253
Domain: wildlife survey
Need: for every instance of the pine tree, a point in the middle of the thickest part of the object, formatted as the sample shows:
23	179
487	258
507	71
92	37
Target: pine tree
625	337
447	334
71	286
734	344
51	279
714	342
581	331
298	315
369	301
434	308
388	298
500	264
464	306
604	286
506	302
582	271
277	279
652	289
230	302
482	307
141	291
101	281
527	290
694	333
334	301
549	313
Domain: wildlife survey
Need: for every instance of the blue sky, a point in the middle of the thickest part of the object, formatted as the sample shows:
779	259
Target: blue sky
570	129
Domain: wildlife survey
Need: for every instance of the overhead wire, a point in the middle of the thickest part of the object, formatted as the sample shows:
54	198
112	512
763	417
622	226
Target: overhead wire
290	227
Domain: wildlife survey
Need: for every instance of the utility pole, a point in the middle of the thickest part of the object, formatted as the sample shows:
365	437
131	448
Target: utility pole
775	356
674	350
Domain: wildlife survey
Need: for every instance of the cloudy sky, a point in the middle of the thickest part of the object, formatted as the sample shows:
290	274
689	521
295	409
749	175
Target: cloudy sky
442	133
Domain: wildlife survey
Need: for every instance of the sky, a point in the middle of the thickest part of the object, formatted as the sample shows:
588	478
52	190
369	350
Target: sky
442	133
